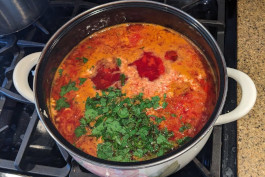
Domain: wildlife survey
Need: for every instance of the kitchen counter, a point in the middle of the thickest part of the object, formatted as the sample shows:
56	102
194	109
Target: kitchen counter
251	60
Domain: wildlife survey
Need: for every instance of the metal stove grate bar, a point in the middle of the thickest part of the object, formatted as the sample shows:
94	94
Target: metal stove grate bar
33	168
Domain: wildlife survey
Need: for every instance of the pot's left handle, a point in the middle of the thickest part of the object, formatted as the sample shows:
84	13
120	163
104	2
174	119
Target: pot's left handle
21	73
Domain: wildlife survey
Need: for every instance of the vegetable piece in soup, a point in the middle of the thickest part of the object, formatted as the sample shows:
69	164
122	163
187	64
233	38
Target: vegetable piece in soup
132	92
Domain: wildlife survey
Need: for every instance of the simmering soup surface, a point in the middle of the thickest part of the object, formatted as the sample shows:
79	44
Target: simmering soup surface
132	92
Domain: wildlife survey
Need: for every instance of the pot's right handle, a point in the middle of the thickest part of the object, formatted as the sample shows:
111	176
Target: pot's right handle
248	99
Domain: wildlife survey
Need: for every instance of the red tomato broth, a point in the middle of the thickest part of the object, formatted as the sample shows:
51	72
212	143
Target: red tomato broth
155	60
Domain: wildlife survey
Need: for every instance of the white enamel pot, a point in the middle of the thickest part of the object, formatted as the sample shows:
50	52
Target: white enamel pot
115	13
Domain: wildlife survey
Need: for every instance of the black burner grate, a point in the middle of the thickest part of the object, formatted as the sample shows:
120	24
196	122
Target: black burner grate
26	147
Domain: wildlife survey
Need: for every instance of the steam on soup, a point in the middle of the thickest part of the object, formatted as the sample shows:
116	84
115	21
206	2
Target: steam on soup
132	92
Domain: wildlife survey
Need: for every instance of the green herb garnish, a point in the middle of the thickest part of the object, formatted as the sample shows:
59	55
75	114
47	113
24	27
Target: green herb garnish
155	101
118	62
124	126
165	96
122	77
186	126
83	122
61	103
84	59
105	150
60	72
183	140
82	80
79	131
92	67
67	88
164	105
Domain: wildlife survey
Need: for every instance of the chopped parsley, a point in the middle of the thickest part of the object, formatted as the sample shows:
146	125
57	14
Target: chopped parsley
60	72
122	77
79	131
173	115
83	122
84	59
92	67
82	80
105	150
186	126
155	100
183	140
61	103
124	126
67	88
164	105
118	62
165	96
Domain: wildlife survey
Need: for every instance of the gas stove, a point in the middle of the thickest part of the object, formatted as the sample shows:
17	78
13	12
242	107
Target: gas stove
26	149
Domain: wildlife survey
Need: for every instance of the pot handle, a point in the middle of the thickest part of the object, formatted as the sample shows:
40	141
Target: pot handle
248	99
21	73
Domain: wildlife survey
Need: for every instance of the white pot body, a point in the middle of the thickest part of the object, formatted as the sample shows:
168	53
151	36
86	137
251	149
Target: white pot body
161	170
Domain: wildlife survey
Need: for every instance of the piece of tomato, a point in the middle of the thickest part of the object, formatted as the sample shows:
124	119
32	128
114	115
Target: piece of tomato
171	55
149	66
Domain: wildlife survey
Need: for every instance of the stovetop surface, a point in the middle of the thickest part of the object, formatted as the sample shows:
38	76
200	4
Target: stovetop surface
26	147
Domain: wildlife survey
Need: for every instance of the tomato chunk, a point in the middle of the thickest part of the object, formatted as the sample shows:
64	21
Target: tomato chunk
134	39
106	76
171	55
149	66
135	27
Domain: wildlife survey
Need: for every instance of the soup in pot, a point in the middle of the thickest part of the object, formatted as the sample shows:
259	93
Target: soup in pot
132	92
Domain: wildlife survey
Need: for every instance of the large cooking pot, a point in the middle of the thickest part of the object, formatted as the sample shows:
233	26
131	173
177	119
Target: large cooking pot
114	13
16	15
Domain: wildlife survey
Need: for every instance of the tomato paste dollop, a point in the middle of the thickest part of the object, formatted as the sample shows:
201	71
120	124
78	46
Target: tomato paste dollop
107	75
149	66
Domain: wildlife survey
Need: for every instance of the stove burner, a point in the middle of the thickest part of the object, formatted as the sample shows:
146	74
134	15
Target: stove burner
26	147
7	43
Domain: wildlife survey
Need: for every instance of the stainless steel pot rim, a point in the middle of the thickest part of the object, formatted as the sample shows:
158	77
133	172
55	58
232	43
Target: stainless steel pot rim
156	161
